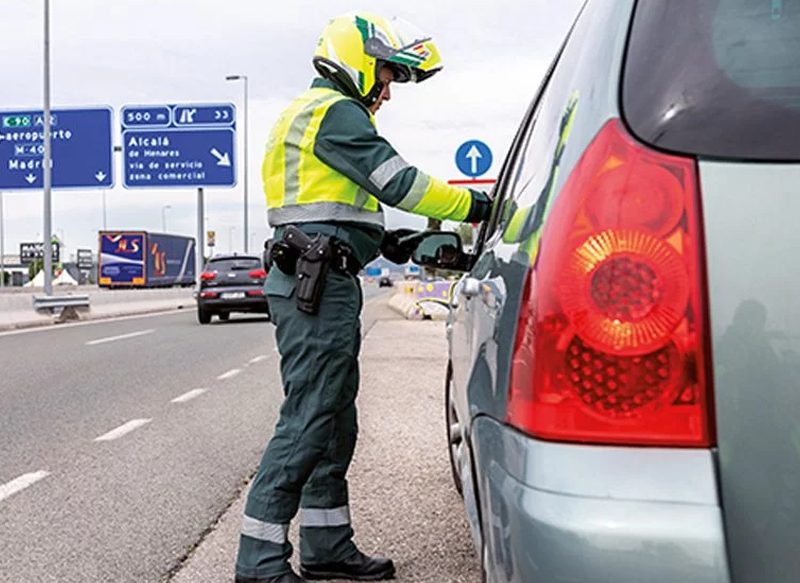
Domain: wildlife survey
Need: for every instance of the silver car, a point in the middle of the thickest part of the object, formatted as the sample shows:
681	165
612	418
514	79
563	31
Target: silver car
623	386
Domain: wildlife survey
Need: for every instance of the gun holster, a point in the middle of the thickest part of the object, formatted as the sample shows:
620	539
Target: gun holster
309	258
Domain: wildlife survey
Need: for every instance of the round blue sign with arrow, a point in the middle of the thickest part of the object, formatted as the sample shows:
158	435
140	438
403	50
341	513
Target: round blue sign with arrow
473	158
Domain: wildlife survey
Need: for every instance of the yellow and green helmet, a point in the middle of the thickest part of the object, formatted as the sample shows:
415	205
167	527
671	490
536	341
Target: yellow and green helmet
354	46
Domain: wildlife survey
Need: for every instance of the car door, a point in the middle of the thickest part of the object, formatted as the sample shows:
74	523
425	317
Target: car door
476	303
482	320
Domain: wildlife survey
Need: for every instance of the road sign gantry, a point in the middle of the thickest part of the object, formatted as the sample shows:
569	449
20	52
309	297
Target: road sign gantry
191	145
82	149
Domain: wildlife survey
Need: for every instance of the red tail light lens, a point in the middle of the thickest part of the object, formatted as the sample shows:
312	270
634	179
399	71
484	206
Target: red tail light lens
208	275
255	293
209	294
611	344
258	274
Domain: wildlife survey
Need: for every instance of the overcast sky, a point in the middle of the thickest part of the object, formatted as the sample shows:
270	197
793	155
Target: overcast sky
177	51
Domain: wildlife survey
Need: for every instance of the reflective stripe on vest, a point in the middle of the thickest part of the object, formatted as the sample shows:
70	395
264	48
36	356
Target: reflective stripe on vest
298	185
381	176
324	517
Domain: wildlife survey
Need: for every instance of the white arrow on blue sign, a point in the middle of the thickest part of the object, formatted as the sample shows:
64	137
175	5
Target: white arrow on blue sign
82	150
179	145
473	158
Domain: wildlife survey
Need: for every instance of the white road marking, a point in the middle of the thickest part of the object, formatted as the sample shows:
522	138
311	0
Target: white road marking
123	429
230	374
120	337
51	328
188	396
19	484
258	358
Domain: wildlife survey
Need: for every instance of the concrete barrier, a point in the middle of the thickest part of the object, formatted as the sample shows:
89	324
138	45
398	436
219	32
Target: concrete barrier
16	307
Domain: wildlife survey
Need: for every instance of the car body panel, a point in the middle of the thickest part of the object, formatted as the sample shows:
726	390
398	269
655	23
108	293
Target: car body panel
235	304
580	522
752	237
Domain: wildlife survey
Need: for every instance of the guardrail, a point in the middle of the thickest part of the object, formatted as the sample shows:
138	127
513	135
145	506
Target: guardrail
57	304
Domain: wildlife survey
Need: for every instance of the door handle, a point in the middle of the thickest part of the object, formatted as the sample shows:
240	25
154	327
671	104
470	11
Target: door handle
471	287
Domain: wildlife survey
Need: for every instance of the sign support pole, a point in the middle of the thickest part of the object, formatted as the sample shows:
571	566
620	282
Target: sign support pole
200	243
47	169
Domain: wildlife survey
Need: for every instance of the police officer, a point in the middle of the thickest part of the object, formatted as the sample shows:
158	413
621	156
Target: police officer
327	172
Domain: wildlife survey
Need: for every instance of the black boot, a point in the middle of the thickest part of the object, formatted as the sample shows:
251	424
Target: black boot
290	577
359	567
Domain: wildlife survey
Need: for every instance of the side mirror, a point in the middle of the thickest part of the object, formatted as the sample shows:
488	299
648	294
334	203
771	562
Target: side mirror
440	250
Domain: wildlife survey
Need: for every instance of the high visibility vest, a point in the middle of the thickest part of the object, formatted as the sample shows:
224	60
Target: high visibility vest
298	185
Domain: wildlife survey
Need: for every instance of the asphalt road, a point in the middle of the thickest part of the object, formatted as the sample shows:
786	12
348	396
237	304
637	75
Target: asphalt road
122	442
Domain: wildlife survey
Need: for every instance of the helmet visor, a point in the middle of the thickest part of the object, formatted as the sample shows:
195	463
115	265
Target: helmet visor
414	58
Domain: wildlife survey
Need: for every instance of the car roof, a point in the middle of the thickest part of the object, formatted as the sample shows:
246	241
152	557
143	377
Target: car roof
234	256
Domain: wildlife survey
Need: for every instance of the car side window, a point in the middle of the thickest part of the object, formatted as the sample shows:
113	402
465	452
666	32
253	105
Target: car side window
544	159
521	174
517	169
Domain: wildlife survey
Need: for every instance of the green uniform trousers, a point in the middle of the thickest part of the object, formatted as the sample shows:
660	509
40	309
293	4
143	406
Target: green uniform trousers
306	461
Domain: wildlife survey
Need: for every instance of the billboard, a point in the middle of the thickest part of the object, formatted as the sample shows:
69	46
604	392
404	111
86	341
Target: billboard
85	259
30	252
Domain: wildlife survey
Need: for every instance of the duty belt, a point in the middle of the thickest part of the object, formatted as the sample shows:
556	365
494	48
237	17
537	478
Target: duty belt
309	258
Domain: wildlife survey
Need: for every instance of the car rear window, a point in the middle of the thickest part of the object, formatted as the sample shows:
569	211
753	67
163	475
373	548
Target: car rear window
716	78
239	264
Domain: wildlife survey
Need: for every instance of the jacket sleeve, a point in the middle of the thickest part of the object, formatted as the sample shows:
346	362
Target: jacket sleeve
348	142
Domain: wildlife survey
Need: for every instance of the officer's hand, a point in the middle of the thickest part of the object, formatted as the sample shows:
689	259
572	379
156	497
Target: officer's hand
399	244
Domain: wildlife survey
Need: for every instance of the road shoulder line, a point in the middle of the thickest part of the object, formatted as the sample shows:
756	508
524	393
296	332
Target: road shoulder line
20	483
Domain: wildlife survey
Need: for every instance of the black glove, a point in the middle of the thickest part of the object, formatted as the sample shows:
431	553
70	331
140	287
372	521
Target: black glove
481	208
398	245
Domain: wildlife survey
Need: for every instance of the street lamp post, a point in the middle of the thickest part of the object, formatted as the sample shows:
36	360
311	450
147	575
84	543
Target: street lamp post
164	210
246	220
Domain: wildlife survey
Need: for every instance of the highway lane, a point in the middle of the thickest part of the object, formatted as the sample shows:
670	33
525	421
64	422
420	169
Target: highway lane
123	441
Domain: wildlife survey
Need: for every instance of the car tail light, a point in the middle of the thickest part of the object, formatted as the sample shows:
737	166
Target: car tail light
208	275
209	294
258	274
611	345
255	293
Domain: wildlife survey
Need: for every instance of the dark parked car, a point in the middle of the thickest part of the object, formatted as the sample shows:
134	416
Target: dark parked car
231	283
385	281
623	388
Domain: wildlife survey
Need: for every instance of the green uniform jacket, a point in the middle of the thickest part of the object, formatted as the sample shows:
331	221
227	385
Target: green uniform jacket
345	139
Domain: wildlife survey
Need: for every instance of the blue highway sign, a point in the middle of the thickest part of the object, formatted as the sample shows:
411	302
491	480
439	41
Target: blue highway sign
473	158
179	145
82	149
